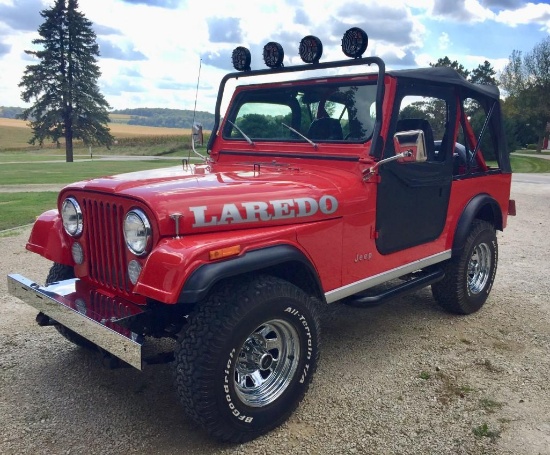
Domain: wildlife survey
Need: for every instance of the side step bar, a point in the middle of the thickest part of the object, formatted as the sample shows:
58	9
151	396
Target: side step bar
419	281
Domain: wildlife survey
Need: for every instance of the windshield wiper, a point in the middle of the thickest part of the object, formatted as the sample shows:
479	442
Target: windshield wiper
250	141
300	134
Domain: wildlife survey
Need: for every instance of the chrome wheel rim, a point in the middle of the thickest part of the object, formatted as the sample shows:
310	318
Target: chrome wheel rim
479	268
266	363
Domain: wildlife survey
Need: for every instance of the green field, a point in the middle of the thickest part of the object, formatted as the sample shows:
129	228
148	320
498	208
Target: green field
19	209
49	167
23	164
529	164
15	136
63	173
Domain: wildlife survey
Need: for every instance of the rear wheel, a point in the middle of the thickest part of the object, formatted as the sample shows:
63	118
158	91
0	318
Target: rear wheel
247	357
469	277
60	272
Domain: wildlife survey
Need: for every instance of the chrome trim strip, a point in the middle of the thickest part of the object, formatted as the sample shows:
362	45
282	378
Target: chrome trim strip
362	285
55	300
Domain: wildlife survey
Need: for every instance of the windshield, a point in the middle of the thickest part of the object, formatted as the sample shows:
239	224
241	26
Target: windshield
327	113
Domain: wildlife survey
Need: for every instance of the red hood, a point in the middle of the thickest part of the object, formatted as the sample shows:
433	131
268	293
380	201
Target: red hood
214	198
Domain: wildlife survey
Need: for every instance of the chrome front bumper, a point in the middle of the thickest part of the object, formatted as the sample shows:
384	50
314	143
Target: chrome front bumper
66	304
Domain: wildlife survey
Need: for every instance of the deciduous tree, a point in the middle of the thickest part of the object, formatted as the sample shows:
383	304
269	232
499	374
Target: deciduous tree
526	80
62	86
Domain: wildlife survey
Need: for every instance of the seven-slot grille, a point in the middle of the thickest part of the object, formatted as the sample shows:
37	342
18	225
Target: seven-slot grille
106	247
108	310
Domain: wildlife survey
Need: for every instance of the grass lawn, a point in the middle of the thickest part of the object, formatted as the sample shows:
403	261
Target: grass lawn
528	164
532	152
49	167
18	209
64	173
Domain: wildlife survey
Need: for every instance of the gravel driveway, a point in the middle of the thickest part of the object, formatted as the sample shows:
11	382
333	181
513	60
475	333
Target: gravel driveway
402	378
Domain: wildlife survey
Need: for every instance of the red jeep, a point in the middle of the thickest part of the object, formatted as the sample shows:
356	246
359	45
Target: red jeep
316	190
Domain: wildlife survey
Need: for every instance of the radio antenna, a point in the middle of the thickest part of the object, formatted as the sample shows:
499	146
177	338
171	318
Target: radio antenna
194	114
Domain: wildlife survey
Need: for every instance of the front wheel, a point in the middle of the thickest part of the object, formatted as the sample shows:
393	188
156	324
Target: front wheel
469	277
247	357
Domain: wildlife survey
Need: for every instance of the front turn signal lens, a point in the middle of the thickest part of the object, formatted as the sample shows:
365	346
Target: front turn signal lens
224	252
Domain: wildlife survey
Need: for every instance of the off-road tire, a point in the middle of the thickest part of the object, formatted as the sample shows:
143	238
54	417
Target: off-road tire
219	359
469	276
60	272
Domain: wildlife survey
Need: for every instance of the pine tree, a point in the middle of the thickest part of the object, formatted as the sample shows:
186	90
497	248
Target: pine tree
63	84
459	67
483	74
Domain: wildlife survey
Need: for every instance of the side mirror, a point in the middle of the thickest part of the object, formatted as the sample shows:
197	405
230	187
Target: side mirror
412	146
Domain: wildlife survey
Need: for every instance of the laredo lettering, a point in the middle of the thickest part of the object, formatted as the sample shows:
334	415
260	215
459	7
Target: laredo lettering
254	211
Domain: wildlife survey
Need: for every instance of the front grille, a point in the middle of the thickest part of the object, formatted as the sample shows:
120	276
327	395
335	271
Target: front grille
106	250
109	308
109	311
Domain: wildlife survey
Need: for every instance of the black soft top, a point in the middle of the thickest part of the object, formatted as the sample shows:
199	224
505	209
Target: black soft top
447	76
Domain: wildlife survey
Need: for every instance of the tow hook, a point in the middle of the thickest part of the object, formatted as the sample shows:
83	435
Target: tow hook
43	321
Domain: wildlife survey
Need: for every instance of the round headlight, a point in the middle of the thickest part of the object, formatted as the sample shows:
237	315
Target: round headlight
137	232
72	217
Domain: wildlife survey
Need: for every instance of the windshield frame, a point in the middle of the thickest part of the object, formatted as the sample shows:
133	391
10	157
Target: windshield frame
366	61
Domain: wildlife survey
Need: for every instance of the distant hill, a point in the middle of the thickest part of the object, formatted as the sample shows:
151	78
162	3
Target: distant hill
144	116
10	112
167	118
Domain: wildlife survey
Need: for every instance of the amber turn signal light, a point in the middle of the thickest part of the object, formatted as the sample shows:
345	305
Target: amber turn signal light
224	252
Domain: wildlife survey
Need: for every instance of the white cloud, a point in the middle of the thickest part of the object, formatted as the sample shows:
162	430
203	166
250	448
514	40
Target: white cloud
155	46
461	11
444	41
530	14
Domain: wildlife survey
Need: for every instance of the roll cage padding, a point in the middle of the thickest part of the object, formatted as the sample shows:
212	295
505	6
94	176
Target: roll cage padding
206	276
482	206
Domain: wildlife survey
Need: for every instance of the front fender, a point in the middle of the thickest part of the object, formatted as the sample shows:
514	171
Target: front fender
175	262
47	238
205	277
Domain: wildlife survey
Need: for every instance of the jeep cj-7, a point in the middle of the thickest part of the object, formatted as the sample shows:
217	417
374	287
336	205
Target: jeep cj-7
352	188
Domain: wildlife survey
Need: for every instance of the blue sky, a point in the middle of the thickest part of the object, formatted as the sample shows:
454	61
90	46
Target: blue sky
151	49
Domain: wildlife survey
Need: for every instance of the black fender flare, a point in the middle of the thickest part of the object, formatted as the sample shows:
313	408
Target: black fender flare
206	276
482	206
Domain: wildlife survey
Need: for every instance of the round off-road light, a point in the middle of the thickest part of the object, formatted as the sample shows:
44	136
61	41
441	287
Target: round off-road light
355	42
72	217
311	49
78	253
134	269
137	232
241	59
273	55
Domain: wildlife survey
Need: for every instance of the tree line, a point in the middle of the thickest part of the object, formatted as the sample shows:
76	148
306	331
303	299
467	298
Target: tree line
168	118
145	116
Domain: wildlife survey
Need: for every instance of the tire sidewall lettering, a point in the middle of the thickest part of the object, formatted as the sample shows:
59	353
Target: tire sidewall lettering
231	402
